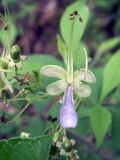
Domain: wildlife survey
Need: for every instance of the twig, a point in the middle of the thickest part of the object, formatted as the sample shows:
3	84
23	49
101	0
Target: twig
25	107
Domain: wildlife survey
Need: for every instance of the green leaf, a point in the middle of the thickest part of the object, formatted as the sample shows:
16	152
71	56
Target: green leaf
35	62
100	120
78	53
79	56
111	75
97	87
65	25
109	44
25	149
62	48
13	33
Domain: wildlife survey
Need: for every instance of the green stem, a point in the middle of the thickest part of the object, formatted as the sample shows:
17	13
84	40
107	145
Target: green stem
77	105
16	96
26	106
70	58
16	70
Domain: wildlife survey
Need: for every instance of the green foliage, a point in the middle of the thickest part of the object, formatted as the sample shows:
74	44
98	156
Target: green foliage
96	88
13	34
116	126
101	119
111	76
79	27
108	45
26	149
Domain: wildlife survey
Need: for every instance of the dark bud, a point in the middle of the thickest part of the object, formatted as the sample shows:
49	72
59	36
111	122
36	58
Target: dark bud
6	28
80	19
3	119
15	53
75	12
71	18
71	15
3	65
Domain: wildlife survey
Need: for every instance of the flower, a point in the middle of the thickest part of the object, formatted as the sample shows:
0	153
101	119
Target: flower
77	85
71	82
68	116
81	79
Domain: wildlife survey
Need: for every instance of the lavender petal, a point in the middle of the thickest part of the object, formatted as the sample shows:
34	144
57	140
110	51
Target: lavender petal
68	116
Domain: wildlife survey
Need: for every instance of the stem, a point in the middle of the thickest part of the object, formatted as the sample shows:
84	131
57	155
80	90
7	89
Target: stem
16	70
77	105
7	31
70	58
16	96
86	63
26	106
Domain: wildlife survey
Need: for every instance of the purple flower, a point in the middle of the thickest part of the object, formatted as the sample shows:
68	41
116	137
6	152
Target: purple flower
68	116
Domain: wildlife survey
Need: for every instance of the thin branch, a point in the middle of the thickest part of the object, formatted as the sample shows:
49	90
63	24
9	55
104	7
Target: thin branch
24	108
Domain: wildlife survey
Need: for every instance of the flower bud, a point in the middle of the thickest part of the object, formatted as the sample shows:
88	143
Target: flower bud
67	145
3	65
15	53
57	136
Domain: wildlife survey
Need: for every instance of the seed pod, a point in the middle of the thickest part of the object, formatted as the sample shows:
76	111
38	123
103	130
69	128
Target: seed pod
67	145
15	53
3	65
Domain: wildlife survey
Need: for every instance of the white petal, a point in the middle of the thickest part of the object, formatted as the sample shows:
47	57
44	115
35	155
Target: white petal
82	75
80	89
57	87
53	71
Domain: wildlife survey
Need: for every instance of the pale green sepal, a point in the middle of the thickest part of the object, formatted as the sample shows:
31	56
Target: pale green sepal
6	81
83	75
53	71
81	90
57	87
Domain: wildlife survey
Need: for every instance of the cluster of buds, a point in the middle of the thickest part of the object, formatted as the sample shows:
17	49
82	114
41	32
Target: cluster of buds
65	146
11	59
